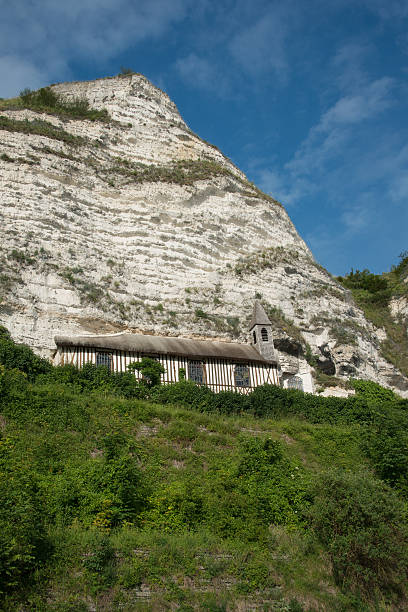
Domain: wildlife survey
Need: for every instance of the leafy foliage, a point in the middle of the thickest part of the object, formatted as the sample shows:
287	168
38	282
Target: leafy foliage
21	357
23	541
373	292
77	461
361	522
151	370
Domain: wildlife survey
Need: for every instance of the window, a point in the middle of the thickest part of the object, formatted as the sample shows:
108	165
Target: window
295	382
104	359
264	334
241	374
254	336
196	372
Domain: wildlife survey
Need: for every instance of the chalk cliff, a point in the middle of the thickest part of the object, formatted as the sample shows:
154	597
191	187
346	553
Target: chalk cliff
135	223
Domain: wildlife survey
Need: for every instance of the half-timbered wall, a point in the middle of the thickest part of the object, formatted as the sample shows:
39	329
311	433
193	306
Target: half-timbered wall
218	373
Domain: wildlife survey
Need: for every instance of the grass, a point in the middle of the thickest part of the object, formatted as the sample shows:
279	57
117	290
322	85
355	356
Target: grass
281	322
373	292
116	503
46	100
395	347
182	172
267	258
181	452
40	127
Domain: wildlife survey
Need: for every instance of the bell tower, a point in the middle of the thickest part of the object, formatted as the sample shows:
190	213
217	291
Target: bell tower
260	331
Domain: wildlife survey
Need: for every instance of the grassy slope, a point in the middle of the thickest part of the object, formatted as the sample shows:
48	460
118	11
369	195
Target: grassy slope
373	292
221	560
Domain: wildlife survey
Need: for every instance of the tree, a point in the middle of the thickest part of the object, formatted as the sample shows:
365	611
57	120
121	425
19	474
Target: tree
150	369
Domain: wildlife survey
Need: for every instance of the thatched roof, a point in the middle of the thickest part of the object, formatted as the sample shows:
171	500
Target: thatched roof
161	345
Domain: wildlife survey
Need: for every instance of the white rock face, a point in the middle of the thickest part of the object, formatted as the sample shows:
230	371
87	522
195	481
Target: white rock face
91	243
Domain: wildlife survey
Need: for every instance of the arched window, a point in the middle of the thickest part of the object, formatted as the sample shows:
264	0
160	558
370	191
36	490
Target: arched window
295	382
264	334
241	374
254	336
104	359
196	372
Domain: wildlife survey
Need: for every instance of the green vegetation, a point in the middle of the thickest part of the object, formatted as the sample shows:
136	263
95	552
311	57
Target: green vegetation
252	191
268	258
46	100
39	128
281	322
373	292
219	322
89	291
181	172
117	494
344	331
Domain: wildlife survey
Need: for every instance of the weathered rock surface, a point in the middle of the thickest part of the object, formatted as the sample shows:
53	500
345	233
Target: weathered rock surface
111	234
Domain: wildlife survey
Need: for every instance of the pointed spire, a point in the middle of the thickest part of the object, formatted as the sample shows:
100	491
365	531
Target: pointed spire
259	316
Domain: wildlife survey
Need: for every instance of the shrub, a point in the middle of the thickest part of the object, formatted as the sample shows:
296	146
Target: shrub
23	542
100	561
184	393
151	370
259	455
46	99
361	521
386	445
95	378
372	391
21	357
40	128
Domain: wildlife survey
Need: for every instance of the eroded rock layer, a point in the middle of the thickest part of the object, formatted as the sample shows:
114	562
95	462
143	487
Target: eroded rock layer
137	224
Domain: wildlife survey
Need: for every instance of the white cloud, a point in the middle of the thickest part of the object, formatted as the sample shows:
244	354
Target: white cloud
201	73
260	47
53	34
17	74
367	103
335	130
348	65
399	189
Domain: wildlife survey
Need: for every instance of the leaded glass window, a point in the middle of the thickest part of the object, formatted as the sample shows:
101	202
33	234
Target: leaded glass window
295	382
241	373
104	359
196	372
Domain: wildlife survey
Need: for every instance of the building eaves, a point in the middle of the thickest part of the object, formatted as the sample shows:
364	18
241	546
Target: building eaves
164	345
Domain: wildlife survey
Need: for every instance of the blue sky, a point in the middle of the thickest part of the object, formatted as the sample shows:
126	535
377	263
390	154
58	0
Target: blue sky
308	98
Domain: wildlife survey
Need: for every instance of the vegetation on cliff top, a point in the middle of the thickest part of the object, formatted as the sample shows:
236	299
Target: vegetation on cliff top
46	100
373	293
116	494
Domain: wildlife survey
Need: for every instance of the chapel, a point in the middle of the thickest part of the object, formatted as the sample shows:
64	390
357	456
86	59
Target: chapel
221	366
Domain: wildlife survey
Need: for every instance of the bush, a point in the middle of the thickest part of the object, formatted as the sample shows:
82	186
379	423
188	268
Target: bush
95	378
151	370
361	521
103	491
46	99
183	393
22	358
386	445
23	542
